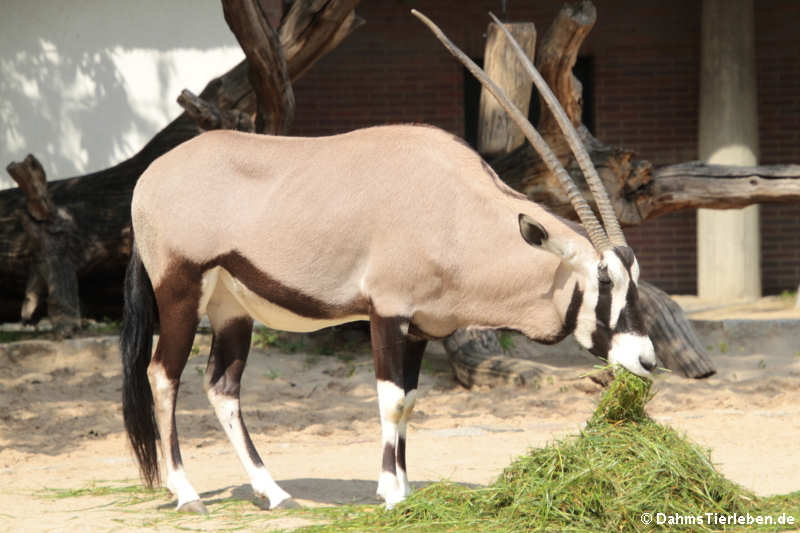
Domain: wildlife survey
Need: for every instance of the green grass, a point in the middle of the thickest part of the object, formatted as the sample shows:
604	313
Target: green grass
329	341
788	296
14	336
125	495
623	464
506	341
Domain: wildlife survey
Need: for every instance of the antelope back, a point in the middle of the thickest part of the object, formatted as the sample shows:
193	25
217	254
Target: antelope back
407	219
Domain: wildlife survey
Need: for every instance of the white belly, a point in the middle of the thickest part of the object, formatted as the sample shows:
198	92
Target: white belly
270	314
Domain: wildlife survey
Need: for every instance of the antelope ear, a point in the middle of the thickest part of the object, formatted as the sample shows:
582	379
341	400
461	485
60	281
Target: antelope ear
533	232
535	235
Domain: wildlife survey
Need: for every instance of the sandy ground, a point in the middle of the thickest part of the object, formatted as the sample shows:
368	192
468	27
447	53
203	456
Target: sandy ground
314	420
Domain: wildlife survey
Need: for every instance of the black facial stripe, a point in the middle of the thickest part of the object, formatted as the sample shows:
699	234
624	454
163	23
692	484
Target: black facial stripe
601	337
625	255
570	319
631	319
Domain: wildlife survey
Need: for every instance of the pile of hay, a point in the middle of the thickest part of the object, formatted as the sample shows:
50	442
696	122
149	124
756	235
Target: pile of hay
621	466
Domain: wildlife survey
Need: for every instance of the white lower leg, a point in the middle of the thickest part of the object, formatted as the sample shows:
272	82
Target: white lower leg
164	392
402	426
391	401
388	487
229	415
178	484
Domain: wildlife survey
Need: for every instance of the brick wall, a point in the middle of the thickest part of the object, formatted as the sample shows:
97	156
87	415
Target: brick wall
646	63
778	64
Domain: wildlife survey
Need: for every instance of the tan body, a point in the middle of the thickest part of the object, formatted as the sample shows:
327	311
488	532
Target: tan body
406	219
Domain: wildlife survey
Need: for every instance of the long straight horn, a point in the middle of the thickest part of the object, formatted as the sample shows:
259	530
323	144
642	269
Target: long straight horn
596	233
604	205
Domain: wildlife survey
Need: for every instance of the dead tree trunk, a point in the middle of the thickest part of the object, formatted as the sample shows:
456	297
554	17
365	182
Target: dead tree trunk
497	134
267	70
99	202
52	238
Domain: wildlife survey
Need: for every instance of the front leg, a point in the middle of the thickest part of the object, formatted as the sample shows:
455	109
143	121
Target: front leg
396	371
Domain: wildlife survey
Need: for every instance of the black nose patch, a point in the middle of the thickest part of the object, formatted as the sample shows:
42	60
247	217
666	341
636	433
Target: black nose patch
647	365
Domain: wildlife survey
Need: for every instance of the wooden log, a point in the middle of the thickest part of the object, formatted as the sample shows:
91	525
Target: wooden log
676	343
497	134
477	358
52	237
555	58
696	184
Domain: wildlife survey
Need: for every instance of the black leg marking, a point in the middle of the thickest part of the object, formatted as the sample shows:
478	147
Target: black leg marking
251	448
389	459
174	448
388	343
401	453
412	362
229	349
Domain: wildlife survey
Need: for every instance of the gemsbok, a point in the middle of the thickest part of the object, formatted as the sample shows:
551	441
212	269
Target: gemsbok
405	226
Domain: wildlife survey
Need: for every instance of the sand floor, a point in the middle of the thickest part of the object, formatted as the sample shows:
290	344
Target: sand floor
314	418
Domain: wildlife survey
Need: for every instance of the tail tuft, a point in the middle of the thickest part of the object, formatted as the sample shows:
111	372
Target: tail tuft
136	344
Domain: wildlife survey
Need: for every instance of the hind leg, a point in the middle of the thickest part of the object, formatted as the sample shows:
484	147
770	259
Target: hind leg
178	322
233	328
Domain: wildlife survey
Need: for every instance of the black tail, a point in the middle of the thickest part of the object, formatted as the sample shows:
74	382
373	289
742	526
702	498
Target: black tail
136	343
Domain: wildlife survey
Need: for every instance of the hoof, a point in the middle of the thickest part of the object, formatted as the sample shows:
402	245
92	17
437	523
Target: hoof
288	503
194	507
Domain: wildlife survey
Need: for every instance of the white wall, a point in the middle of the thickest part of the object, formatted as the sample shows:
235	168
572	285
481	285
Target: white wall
85	84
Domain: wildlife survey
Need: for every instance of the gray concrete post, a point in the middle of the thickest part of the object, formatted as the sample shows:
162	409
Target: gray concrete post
728	241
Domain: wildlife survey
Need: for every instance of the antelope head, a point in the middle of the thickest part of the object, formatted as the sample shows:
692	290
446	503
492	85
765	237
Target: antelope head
612	326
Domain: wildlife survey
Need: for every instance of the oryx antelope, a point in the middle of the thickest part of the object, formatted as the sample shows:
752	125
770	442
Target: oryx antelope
404	226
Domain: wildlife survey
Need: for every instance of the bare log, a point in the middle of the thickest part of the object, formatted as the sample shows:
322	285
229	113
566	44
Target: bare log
477	358
52	238
676	343
497	134
555	58
696	184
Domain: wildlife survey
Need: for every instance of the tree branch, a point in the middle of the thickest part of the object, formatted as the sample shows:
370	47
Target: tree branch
313	28
210	117
698	185
267	72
